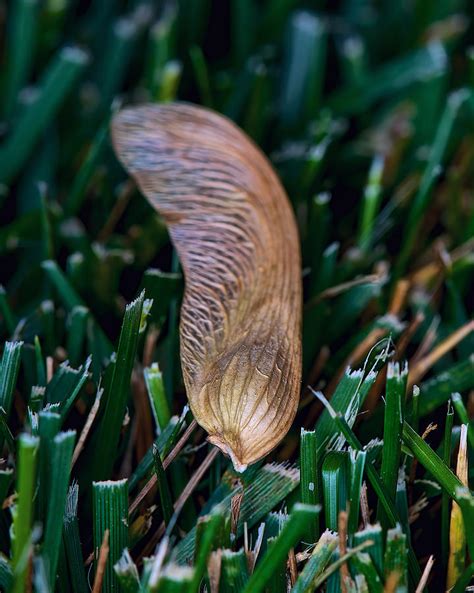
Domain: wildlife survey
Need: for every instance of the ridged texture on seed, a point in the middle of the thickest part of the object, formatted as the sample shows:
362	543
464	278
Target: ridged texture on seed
232	225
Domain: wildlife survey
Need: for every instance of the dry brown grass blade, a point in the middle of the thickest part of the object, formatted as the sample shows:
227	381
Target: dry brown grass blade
425	576
101	563
236	236
422	366
169	459
181	500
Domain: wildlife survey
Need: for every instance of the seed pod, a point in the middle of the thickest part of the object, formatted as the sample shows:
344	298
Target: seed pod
233	228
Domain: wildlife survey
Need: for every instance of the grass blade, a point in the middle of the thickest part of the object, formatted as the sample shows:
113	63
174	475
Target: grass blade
72	544
317	563
56	84
393	423
8	374
289	536
62	449
110	512
116	394
23	514
309	484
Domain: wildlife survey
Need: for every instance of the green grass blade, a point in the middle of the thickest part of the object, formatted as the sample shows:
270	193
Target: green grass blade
72	544
393	422
127	573
23	515
357	465
76	195
116	395
317	563
49	424
422	198
437	390
370	204
21	37
395	559
62	449
289	536
430	461
10	366
110	511
156	393
309	483
234	571
335	485
163	488
362	563
56	84
374	534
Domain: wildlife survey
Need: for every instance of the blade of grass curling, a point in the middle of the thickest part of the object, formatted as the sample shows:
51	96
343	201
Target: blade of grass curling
289	536
362	563
457	534
447	439
62	449
127	573
116	396
55	85
430	461
347	399
110	511
317	562
309	484
234	571
357	465
395	559
393	423
72	543
370	204
8	374
21	37
23	513
163	488
422	198
156	393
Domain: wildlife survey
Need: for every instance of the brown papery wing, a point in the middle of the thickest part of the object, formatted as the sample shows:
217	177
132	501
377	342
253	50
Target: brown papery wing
234	230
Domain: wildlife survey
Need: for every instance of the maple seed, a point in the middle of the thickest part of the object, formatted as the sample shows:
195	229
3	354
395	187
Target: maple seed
233	228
